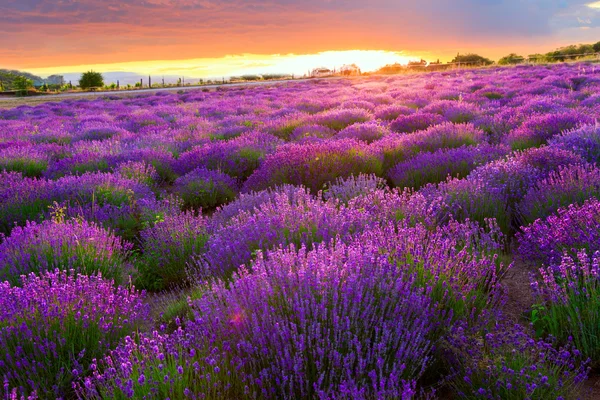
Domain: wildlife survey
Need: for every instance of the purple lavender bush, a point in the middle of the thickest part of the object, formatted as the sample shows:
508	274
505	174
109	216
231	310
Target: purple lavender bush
308	133
508	363
415	122
257	343
75	246
31	161
397	148
539	128
167	248
338	119
365	132
313	165
238	157
300	219
584	141
435	167
54	325
567	302
569	230
139	171
204	188
345	189
571	184
490	191
21	199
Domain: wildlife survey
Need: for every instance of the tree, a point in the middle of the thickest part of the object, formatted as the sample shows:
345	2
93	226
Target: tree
471	59
90	80
511	59
21	84
596	47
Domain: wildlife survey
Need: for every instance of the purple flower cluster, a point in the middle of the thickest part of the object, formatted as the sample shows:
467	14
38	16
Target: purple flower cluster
54	325
567	308
570	229
314	164
367	132
584	141
77	246
204	188
571	184
415	122
508	363
238	157
539	128
167	247
299	219
437	166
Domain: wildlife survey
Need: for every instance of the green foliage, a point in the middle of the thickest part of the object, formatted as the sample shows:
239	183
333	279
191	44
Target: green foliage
473	59
22	84
568	305
91	80
511	59
596	47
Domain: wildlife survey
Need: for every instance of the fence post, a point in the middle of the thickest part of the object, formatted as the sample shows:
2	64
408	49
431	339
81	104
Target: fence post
118	85
149	81
141	83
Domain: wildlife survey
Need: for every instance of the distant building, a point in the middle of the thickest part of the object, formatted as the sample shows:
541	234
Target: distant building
321	72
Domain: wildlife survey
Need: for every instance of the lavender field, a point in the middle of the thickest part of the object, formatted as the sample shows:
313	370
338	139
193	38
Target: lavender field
420	236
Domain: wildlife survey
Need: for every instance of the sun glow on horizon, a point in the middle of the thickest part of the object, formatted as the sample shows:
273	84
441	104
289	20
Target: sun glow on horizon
595	5
235	65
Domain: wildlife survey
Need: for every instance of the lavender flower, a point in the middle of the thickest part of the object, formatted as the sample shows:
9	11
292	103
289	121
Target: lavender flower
58	323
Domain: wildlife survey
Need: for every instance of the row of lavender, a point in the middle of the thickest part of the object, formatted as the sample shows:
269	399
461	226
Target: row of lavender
375	223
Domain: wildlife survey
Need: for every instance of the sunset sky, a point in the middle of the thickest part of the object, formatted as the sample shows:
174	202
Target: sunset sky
210	38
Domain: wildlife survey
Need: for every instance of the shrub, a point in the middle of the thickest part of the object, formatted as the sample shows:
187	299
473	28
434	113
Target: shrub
56	324
507	363
238	157
262	323
90	80
76	246
298	219
345	189
584	141
138	171
366	132
22	84
315	164
538	129
204	188
415	122
568	230
306	133
391	112
167	248
397	148
338	119
511	59
437	166
28	160
568	305
571	184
